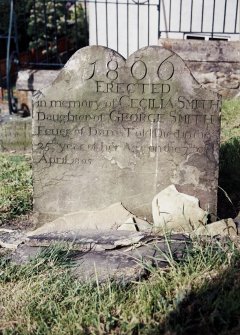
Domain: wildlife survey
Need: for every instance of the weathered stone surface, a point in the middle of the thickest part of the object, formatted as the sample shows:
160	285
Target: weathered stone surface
136	224
10	239
113	130
111	217
101	267
15	134
114	254
24	253
226	227
216	64
33	80
130	224
204	51
128	264
177	211
90	240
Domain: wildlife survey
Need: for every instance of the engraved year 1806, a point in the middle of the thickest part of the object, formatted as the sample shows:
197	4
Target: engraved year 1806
138	70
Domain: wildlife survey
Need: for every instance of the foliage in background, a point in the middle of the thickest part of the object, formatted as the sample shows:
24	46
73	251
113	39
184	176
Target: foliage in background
200	295
50	20
46	23
79	23
21	17
16	187
40	24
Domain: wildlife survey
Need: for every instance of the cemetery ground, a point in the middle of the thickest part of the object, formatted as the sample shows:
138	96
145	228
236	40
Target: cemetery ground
199	294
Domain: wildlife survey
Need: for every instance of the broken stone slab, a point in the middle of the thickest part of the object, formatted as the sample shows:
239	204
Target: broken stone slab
159	251
225	227
175	211
24	253
109	218
105	266
122	263
10	239
91	240
130	225
135	224
142	225
99	241
126	265
94	265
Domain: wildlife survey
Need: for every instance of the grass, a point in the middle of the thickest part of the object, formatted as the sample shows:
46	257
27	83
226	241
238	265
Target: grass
230	126
229	168
200	293
16	187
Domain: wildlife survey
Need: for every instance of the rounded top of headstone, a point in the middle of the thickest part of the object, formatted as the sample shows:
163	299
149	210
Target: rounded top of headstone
158	62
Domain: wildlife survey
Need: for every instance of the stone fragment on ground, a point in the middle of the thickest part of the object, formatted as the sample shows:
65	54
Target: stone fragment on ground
178	212
10	239
111	217
128	263
225	227
114	244
130	224
91	240
113	254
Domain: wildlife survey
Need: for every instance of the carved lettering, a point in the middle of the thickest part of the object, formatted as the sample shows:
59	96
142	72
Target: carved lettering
93	71
44	131
139	70
65	160
186	103
130	88
112	66
165	70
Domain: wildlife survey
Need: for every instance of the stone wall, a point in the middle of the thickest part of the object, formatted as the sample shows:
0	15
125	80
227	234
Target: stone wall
215	64
29	81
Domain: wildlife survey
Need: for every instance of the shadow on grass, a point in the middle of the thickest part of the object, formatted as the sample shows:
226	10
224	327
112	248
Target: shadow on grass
212	309
229	179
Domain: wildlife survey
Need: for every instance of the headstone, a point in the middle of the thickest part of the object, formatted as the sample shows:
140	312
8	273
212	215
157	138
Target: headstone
113	130
15	134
